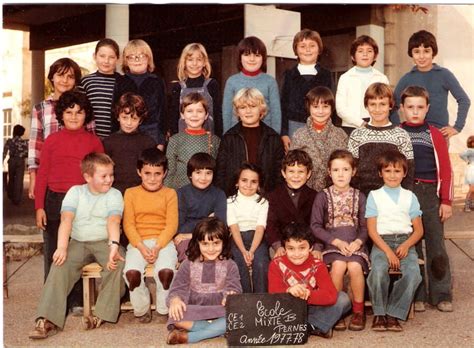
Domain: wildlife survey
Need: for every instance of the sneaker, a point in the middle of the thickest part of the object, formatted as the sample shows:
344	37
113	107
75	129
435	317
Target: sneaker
91	322
145	318
467	208
393	324
445	306
379	323
177	337
357	322
419	306
315	331
43	329
340	325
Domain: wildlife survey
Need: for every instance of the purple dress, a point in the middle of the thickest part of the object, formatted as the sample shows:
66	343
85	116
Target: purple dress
340	215
202	286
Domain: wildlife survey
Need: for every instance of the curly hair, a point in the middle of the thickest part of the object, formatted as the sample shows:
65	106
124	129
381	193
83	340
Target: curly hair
68	100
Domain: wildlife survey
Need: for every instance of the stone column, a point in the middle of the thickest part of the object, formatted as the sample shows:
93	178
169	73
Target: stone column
37	76
377	33
117	25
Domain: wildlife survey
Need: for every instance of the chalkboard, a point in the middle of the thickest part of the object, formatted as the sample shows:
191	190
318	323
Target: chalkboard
265	319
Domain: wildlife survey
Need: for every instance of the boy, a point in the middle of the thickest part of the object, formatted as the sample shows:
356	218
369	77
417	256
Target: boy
434	189
150	221
198	200
300	274
249	140
377	137
353	83
17	148
90	217
438	81
394	225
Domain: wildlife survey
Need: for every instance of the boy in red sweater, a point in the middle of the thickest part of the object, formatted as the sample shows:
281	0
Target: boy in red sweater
300	274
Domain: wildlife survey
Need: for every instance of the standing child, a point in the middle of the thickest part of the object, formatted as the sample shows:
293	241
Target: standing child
17	148
99	86
194	112
194	75
252	65
297	82
394	224
468	156
249	140
199	292
139	78
438	81
434	190
353	83
338	219
150	221
300	274
377	137
319	137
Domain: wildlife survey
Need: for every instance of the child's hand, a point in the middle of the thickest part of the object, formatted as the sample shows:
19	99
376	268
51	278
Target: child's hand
41	219
393	260
59	256
445	212
160	147
177	309
226	293
146	252
279	252
448	132
180	237
211	214
343	246
354	246
31	188
299	291
247	258
155	251
114	256
285	139
402	251
317	254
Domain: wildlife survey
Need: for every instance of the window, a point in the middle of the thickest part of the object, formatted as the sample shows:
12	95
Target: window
7	124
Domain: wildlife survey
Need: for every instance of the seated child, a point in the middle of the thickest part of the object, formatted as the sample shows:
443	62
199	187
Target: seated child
199	291
17	149
319	138
394	224
468	156
150	221
198	200
338	219
300	274
90	229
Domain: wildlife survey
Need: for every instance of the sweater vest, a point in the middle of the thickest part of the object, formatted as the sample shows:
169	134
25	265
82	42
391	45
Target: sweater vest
393	217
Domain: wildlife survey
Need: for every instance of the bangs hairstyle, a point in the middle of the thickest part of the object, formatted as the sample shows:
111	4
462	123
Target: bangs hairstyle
193	98
379	90
424	38
152	157
63	65
299	157
131	103
254	168
252	44
214	229
308	34
200	160
249	96
319	94
344	155
135	46
108	43
361	40
391	157
415	91
297	231
470	142
68	100
94	159
188	50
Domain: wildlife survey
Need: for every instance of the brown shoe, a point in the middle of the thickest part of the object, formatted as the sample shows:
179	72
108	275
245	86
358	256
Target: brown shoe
177	337
379	323
145	318
91	322
357	322
393	324
340	325
43	329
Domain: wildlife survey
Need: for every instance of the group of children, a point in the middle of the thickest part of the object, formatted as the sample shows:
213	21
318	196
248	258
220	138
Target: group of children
268	206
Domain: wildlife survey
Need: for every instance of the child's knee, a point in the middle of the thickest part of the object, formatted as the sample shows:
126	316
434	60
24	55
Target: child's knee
166	277
134	278
354	268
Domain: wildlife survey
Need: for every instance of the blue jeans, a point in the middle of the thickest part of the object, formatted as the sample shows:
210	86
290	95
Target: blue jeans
397	304
260	264
202	329
437	267
324	317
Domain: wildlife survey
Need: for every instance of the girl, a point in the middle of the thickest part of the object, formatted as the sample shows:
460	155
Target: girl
338	219
138	67
319	137
194	71
99	86
252	66
468	156
200	288
247	218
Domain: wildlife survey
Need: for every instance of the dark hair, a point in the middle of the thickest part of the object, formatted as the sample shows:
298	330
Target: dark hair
470	141
361	40
299	157
252	44
254	168
193	98
391	157
342	154
131	103
68	100
308	34
200	160
424	38
108	43
93	159
213	228
319	94
152	157
18	130
415	91
379	90
61	66
297	231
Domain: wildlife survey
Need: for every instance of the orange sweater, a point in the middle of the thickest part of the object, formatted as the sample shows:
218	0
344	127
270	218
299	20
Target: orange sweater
149	215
